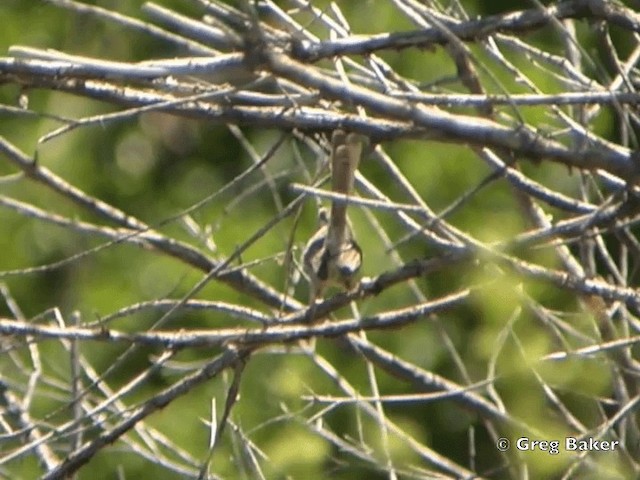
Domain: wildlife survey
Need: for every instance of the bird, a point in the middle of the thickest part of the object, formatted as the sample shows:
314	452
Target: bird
332	256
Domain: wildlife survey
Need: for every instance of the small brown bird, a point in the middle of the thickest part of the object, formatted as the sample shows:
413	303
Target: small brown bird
332	256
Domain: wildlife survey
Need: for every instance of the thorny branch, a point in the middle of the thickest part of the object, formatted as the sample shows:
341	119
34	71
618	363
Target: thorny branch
305	71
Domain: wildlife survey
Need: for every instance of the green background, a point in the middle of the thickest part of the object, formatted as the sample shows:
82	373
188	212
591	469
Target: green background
155	166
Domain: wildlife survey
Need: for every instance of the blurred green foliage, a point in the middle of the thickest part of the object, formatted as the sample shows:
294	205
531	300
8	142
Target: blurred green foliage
156	166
